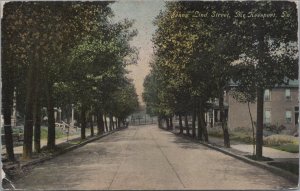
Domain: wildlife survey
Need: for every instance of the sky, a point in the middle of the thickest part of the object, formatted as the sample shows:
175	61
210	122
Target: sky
143	13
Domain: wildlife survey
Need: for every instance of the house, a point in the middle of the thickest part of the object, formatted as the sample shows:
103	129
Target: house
281	108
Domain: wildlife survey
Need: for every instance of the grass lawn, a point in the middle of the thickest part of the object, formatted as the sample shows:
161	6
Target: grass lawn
253	157
58	133
292	148
281	142
293	168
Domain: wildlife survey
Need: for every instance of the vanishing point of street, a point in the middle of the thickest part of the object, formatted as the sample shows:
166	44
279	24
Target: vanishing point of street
146	157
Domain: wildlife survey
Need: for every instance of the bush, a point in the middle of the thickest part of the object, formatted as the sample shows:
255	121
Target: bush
242	134
275	140
275	128
242	137
242	130
58	133
215	132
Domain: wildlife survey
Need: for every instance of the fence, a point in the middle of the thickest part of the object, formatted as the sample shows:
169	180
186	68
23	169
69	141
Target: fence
142	120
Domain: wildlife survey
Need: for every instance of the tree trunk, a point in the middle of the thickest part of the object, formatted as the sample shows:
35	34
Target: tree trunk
37	128
29	103
168	123
51	119
8	131
186	123
100	123
204	128
200	127
92	126
180	124
106	126
83	122
37	116
253	130
171	122
260	122
111	122
159	118
119	123
7	92
7	99
194	122
223	120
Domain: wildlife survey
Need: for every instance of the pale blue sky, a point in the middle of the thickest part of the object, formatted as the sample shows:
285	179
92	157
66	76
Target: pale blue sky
143	12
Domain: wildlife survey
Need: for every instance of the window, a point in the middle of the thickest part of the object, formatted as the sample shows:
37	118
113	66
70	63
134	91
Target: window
288	116
267	95
268	116
287	94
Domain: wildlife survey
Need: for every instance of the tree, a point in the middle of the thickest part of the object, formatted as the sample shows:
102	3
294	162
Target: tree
125	101
270	47
42	37
7	78
98	64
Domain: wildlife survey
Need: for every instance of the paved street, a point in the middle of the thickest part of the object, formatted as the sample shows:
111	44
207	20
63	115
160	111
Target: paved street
146	157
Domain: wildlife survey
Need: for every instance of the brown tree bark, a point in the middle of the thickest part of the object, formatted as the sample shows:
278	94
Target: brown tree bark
167	122
119	123
7	92
180	124
83	122
186	123
29	103
7	102
106	126
92	126
8	132
51	119
37	128
223	119
194	122
253	129
37	116
204	128
260	122
100	123
200	127
159	119
111	122
171	122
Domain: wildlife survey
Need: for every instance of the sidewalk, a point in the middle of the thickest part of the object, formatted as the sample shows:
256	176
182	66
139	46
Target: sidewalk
19	149
247	148
21	166
282	163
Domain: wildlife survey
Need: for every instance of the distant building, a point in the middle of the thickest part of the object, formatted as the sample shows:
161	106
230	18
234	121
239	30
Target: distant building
281	108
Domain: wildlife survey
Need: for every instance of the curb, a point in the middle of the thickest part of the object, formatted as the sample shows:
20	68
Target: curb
22	166
283	173
280	172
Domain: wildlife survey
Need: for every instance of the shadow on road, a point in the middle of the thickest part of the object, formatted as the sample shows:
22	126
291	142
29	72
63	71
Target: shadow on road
185	142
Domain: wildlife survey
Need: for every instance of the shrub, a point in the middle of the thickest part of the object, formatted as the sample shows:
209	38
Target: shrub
215	132
242	137
274	140
58	133
242	129
275	128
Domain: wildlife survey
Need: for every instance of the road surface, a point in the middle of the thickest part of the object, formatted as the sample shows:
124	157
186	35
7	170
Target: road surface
145	157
